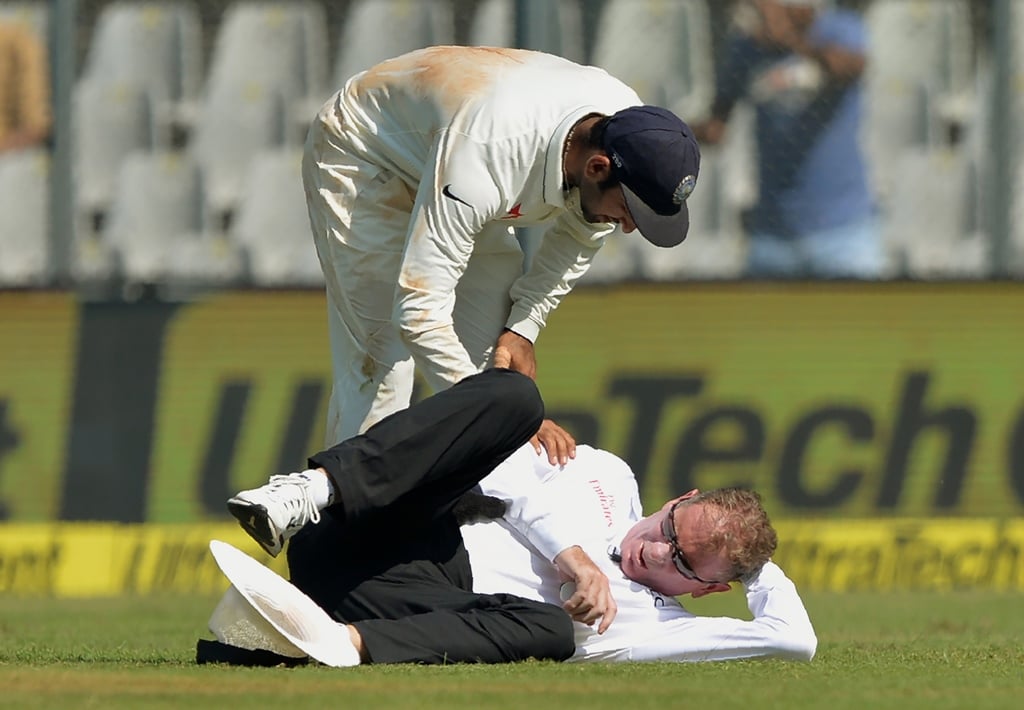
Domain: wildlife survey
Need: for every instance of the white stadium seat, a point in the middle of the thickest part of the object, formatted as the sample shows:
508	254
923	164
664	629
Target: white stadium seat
662	48
919	79
158	199
411	24
154	44
111	119
929	225
234	123
494	25
282	45
272	223
156	218
269	63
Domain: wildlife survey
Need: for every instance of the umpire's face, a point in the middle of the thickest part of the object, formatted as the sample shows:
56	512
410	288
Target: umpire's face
667	552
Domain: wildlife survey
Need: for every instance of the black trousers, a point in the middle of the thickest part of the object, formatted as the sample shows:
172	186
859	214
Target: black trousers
388	557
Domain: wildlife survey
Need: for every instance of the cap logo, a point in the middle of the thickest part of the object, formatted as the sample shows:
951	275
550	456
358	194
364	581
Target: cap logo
684	189
617	159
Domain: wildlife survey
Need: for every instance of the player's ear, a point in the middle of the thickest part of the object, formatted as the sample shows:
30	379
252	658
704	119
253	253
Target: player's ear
672	501
711	589
598	167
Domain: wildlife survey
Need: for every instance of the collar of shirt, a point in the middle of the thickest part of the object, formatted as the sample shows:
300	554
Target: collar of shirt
553	171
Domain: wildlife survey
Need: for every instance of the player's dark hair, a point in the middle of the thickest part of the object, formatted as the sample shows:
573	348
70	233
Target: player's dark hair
595	140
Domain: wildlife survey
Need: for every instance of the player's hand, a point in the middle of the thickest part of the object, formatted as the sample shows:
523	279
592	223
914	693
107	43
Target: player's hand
514	352
587	597
556	441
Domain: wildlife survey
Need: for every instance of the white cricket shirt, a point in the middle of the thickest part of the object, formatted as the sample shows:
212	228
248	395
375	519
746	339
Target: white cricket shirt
478	134
592	502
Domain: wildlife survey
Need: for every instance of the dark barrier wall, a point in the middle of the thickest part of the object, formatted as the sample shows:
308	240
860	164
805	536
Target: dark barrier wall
831	399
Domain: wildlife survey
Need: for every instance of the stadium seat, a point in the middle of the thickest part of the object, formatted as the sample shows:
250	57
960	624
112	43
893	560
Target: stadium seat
158	199
919	79
282	45
154	45
411	24
660	48
272	225
111	119
235	122
494	25
24	215
155	222
930	224
921	42
269	61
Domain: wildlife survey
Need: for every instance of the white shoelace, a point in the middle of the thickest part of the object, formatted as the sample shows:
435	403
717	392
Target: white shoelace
303	505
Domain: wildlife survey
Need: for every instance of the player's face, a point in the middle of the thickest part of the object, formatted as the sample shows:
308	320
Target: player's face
674	567
604	205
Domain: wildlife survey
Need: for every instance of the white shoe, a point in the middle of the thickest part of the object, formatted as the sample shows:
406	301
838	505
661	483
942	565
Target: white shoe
273	513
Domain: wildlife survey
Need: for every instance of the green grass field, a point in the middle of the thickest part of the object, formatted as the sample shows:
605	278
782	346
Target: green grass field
929	650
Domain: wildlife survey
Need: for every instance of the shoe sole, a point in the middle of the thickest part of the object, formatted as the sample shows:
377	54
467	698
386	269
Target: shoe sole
254	520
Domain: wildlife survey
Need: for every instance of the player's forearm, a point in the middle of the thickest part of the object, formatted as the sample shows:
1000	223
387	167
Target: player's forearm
780	629
779	611
439	355
563	257
424	316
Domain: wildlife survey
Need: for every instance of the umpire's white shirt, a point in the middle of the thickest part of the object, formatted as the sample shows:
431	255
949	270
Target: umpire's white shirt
478	133
592	502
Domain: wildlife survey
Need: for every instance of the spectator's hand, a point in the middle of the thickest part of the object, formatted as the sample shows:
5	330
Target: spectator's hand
556	441
514	352
591	598
777	29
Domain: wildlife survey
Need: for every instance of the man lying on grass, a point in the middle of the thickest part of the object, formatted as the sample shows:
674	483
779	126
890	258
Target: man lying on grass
389	563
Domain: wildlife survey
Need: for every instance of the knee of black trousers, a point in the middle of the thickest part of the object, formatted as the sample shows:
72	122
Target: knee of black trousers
553	636
515	393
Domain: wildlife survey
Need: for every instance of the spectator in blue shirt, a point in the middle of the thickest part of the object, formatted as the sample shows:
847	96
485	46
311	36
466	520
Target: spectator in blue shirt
800	63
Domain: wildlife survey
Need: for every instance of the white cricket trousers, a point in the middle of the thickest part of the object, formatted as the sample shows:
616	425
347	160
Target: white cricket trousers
359	213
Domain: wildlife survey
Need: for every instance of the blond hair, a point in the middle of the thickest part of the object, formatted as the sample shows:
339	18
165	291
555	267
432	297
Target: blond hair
738	525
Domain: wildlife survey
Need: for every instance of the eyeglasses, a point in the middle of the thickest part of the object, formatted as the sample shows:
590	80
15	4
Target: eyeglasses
668	528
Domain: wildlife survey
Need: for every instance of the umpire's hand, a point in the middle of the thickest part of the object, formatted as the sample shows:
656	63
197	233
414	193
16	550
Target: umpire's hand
591	597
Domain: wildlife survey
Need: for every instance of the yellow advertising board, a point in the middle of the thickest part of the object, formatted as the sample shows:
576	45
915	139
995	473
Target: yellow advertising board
100	560
887	399
38	332
845	400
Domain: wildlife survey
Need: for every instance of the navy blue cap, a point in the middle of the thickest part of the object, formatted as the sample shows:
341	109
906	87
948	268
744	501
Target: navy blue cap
656	158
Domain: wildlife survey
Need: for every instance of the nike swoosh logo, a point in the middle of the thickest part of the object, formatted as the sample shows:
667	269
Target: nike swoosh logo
447	192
